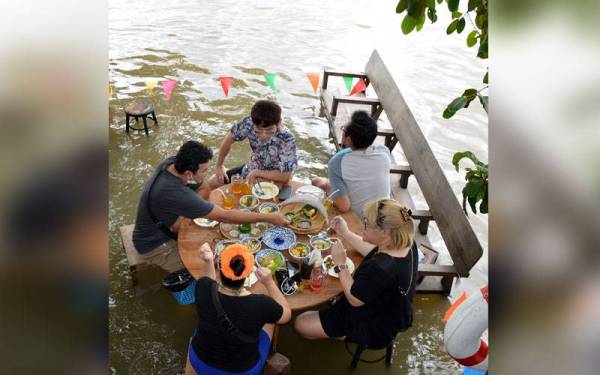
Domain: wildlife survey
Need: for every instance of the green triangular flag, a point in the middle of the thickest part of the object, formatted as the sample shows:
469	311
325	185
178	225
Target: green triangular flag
270	78
348	82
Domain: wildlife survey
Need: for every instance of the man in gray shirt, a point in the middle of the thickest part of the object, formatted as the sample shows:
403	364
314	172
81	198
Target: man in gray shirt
361	171
166	199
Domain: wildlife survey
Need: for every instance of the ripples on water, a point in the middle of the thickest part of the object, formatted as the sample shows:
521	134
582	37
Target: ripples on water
194	42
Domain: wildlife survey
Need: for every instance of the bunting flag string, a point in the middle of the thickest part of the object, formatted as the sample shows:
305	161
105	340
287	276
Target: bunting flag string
359	87
314	80
225	84
270	78
150	85
168	86
348	82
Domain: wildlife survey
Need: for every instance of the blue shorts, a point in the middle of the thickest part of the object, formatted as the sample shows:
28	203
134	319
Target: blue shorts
264	345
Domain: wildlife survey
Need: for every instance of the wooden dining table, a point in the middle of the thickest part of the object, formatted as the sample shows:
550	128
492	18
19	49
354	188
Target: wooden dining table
192	236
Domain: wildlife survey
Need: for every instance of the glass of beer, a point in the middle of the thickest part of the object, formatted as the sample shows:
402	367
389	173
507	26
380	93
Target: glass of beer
228	200
236	184
246	188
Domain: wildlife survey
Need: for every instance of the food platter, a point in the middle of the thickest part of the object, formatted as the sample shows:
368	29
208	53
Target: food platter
232	231
304	218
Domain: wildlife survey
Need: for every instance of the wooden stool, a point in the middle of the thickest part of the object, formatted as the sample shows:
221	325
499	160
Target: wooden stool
134	259
139	108
389	350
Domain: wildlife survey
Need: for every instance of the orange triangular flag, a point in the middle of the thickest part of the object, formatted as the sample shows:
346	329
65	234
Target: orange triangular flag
359	87
454	306
314	80
225	84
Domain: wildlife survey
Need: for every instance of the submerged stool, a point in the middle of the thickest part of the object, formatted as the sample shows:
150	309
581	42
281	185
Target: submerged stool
139	108
360	348
135	261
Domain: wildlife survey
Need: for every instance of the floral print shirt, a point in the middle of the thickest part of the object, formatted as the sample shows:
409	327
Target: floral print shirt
278	153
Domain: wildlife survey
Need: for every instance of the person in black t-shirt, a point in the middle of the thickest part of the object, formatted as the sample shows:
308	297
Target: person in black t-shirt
377	301
242	344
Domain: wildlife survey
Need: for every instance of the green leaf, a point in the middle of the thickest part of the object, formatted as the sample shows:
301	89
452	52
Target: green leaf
479	20
448	113
457	104
402	6
472	202
483	208
408	24
482	53
431	4
465	154
484	101
416	8
432	14
453	5
485	77
461	25
452	27
456	14
440	1
470	93
421	21
472	5
472	38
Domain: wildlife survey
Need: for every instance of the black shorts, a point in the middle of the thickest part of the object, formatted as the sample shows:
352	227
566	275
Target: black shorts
234	171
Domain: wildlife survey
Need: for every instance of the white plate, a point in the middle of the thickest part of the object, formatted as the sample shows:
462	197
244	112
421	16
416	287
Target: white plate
330	271
271	190
312	190
205	223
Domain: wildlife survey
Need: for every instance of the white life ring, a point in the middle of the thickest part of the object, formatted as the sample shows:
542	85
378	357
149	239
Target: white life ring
467	320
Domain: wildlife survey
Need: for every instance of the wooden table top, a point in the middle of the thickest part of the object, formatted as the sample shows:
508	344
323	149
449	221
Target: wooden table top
191	237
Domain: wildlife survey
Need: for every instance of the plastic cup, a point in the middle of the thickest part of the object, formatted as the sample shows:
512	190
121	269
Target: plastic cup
317	276
236	184
228	200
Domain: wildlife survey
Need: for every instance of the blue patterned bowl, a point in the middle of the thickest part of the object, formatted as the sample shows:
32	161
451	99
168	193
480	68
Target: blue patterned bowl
279	238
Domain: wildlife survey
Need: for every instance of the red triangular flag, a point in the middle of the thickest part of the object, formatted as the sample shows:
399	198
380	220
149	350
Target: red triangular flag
225	84
168	87
359	87
314	80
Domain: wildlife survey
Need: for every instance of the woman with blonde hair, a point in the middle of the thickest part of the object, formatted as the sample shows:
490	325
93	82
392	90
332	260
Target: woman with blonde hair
377	301
235	327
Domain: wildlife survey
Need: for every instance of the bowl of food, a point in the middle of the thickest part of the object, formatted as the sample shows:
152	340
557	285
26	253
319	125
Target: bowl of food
222	245
253	244
271	259
265	190
249	202
299	251
320	243
268	208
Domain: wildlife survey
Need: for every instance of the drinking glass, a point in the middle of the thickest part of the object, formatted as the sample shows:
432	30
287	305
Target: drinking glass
228	200
317	276
328	204
246	188
236	184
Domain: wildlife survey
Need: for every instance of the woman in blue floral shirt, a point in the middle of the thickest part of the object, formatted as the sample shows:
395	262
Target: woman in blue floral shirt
273	147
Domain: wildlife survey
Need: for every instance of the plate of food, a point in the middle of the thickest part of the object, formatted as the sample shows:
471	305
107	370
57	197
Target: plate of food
304	218
312	190
328	265
265	190
279	238
253	244
271	259
320	243
268	208
204	222
238	231
249	202
299	251
223	244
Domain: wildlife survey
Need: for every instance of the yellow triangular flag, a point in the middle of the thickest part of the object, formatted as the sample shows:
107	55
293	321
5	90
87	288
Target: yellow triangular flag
150	86
110	91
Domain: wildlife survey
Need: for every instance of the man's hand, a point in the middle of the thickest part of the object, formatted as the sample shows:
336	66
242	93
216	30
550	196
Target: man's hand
338	253
221	173
252	176
340	226
205	252
278	219
263	275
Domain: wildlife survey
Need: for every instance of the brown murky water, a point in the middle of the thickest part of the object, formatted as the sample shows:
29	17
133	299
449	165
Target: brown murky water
194	42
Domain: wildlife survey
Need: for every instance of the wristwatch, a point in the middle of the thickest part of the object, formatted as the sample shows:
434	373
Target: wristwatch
338	269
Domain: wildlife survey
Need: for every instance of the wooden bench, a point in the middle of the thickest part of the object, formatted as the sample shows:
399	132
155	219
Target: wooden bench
444	208
135	261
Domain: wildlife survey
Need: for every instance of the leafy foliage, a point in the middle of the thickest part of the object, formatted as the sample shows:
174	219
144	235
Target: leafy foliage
476	188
